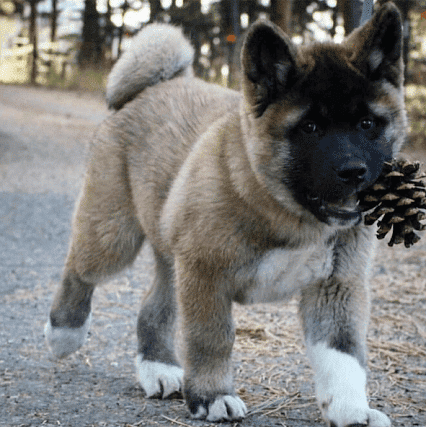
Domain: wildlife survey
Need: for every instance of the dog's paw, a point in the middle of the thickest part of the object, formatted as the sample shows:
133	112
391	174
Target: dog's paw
351	415
340	389
222	408
64	341
158	379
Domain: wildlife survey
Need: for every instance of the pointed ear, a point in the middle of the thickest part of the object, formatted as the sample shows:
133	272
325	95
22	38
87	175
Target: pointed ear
376	47
268	64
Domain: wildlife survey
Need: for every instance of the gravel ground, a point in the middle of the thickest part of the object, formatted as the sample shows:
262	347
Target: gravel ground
42	149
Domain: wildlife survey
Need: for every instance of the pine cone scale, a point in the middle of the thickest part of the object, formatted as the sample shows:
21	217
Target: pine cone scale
398	197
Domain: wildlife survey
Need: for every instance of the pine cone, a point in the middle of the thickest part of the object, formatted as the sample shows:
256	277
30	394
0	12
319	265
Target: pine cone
399	197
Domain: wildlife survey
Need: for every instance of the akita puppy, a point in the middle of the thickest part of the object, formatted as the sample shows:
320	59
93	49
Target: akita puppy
246	197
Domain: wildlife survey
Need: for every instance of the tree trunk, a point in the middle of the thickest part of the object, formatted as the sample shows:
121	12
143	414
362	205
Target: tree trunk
33	40
230	22
351	11
90	54
156	9
53	20
281	14
233	63
108	35
124	8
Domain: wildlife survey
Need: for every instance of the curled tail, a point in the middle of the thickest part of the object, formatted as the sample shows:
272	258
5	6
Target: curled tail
158	52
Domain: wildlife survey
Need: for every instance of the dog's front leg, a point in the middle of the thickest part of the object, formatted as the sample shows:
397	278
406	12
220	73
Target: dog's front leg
208	336
335	315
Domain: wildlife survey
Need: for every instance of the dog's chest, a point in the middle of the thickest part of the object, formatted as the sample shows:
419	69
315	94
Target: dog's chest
281	273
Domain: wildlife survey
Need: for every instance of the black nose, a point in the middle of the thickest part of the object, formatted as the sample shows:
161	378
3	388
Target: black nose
352	172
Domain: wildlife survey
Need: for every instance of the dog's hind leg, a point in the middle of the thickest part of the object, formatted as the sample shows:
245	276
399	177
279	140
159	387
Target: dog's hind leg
106	237
335	315
157	369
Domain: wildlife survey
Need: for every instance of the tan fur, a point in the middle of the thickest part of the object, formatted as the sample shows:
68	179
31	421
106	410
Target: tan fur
204	174
159	52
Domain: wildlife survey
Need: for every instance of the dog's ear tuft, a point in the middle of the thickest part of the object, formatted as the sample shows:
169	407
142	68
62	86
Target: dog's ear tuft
268	64
376	47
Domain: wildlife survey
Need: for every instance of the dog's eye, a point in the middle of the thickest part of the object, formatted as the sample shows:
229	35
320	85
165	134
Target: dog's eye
366	123
309	127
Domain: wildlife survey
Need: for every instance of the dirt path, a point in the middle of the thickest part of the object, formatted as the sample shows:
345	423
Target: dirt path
42	148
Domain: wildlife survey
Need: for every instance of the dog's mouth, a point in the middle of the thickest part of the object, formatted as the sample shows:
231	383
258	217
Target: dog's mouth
343	212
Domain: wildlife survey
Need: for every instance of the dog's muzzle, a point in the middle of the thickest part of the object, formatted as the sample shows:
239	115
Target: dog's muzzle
342	213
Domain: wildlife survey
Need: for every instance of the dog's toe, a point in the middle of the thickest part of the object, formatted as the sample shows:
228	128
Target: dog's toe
222	408
158	379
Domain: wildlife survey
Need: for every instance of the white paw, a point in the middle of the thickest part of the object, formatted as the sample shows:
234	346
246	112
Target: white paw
223	408
158	379
340	389
64	341
345	413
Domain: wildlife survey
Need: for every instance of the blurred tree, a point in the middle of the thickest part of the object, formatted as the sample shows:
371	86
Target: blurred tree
281	14
124	8
230	22
107	34
351	11
197	26
217	31
302	15
19	7
53	20
33	39
90	54
156	10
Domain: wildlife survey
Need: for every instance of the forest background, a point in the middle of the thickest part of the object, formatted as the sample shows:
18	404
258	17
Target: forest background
74	43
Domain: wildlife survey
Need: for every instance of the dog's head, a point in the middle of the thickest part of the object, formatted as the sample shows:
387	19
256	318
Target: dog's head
321	120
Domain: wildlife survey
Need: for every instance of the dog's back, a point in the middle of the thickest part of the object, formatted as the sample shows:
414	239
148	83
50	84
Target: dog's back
161	110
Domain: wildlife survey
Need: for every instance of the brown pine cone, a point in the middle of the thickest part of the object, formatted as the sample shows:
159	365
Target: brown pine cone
399	198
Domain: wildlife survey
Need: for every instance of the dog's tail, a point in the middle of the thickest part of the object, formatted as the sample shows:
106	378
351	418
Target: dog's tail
158	52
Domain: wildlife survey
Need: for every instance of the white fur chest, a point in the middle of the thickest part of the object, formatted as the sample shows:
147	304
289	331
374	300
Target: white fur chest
281	273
